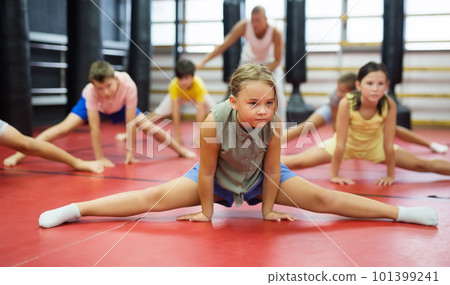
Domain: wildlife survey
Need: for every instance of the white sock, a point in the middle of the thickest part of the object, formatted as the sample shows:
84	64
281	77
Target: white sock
53	218
439	148
417	215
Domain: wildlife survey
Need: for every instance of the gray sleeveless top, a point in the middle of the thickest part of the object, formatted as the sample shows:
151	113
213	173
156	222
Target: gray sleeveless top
241	153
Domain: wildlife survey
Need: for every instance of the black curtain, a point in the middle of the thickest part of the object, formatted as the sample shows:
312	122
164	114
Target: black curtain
295	42
295	60
392	53
393	39
15	74
179	32
232	13
84	45
140	50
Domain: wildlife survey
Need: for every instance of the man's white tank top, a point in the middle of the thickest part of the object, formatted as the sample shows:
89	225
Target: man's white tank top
257	50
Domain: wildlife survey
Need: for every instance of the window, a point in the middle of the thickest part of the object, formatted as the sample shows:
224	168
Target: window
426	24
365	30
204	34
358	8
203	30
315	9
323	34
365	21
195	10
414	7
163	34
323	26
163	22
343	21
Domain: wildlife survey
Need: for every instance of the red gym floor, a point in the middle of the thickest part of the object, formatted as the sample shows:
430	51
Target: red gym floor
236	237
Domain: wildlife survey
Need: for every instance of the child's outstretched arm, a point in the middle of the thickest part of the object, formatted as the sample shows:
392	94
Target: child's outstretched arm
388	144
94	125
176	120
209	152
236	32
277	40
333	116
200	113
342	122
272	174
199	117
130	115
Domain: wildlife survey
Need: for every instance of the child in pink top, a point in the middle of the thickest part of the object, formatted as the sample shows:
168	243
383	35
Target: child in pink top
126	95
113	94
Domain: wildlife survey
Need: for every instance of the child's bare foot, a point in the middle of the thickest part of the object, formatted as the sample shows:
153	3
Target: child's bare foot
14	159
184	152
121	137
130	158
94	166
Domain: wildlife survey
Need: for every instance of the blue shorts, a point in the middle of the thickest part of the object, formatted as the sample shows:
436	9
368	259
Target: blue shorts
3	125
325	112
80	110
249	196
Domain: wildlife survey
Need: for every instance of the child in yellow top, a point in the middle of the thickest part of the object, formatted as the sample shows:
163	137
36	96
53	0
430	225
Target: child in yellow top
365	129
364	136
247	168
326	114
185	87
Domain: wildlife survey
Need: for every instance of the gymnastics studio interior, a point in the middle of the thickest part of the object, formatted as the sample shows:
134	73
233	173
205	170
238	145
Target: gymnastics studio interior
45	68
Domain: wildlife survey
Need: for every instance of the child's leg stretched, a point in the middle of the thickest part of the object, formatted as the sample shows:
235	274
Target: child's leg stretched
62	129
407	160
311	157
70	123
409	136
177	193
297	192
162	136
14	139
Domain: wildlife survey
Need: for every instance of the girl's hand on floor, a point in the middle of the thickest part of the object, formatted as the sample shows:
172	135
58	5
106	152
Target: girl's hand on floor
106	162
342	180
196	217
386	181
275	216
